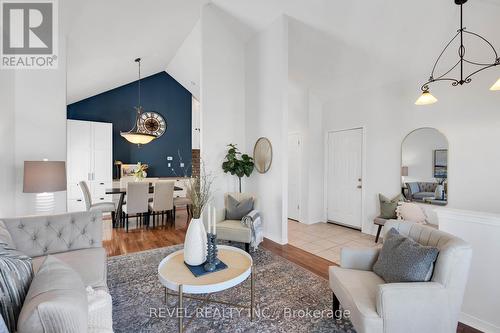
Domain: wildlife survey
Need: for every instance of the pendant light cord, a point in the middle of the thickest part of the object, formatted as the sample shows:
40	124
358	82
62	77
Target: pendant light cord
139	61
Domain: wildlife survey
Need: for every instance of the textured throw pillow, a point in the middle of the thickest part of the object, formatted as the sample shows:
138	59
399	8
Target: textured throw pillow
388	206
236	209
411	212
401	259
100	311
16	273
56	301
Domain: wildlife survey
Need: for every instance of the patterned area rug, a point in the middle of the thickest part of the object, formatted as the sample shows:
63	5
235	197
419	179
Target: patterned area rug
288	299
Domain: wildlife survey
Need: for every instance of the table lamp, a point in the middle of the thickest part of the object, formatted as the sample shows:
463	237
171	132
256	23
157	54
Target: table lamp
44	178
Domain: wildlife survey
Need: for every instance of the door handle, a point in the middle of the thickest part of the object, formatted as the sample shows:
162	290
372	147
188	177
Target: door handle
359	186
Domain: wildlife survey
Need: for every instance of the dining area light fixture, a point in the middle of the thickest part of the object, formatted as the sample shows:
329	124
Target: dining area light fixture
426	98
138	135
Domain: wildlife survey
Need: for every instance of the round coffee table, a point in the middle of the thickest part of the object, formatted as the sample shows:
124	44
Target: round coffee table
174	275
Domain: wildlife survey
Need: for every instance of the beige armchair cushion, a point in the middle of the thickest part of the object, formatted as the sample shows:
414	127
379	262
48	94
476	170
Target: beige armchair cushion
233	230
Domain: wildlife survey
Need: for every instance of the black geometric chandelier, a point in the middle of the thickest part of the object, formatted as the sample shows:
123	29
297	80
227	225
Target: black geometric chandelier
426	98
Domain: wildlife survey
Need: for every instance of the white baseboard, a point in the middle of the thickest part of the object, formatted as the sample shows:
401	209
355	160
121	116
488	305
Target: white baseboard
478	323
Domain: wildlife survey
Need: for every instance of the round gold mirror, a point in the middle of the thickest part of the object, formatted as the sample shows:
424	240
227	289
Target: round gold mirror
263	155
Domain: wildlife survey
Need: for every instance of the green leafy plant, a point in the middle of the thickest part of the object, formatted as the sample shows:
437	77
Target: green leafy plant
237	164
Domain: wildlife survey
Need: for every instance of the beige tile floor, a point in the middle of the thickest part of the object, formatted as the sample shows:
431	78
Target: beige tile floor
325	239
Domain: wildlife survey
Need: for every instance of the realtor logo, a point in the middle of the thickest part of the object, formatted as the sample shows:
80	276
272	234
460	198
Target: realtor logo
29	34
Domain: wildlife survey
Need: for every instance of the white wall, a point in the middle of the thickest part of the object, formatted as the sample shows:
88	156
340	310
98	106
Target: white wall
482	231
267	116
315	155
467	116
185	66
222	96
298	123
417	153
7	134
40	123
305	117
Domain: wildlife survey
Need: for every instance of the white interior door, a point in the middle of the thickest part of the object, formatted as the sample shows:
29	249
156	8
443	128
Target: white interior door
294	160
344	181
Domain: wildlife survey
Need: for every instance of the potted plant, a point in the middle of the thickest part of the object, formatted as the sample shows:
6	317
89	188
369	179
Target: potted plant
237	164
198	190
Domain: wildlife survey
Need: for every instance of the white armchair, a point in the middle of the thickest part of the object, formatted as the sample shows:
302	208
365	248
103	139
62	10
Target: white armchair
377	306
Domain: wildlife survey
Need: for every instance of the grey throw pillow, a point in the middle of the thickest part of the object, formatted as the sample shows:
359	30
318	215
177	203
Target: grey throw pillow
388	206
235	209
16	273
56	301
404	260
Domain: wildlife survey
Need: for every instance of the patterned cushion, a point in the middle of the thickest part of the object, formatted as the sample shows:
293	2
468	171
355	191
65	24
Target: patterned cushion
16	273
235	209
388	206
401	259
411	212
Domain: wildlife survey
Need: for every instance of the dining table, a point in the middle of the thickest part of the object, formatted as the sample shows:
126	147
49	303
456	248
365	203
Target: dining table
122	191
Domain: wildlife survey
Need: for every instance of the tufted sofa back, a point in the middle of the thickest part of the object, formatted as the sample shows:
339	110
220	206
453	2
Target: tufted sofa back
41	235
452	265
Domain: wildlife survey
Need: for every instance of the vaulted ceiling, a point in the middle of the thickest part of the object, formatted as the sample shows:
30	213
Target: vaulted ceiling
391	38
105	36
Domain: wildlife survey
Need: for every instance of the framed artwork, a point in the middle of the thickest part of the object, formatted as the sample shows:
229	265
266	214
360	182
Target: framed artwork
441	163
128	169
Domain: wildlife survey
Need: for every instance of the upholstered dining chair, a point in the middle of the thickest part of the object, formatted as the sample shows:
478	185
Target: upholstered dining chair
104	207
184	202
234	230
137	202
412	307
163	200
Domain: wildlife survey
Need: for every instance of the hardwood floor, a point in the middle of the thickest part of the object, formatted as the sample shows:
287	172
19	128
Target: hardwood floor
117	242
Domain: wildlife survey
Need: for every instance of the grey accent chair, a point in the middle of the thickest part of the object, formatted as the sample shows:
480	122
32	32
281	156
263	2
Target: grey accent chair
104	207
234	230
376	306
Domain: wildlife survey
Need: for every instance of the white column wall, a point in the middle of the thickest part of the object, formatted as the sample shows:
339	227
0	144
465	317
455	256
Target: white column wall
267	116
222	97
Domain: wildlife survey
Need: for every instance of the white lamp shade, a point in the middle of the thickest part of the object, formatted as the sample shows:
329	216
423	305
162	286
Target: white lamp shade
44	176
138	138
496	86
426	98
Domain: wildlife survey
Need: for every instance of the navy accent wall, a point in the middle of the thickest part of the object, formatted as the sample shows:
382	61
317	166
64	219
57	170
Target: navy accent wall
161	94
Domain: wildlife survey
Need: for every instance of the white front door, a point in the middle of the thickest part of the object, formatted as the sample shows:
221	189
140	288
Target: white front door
294	160
344	181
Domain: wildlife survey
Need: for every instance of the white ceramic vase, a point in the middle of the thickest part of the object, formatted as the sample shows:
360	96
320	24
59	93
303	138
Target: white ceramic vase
195	243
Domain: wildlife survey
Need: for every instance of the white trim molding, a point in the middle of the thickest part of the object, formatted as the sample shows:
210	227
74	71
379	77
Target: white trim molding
482	231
